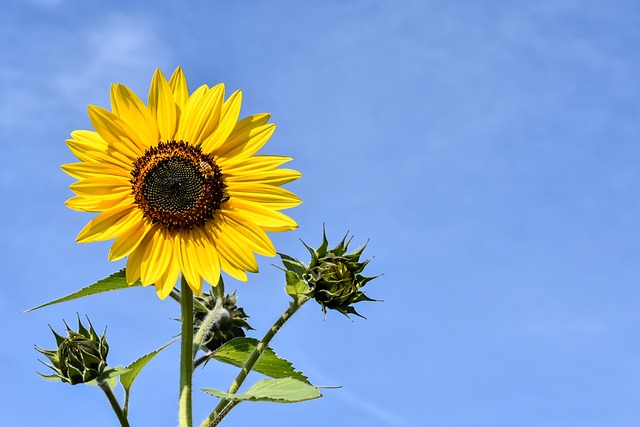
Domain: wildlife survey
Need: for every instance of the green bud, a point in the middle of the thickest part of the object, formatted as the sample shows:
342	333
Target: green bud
333	277
80	357
230	320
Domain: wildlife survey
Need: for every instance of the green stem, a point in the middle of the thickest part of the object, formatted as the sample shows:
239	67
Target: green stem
203	328
186	354
226	405
223	413
114	404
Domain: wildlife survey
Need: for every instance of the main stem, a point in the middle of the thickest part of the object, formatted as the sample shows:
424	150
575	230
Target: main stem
114	404
225	405
186	354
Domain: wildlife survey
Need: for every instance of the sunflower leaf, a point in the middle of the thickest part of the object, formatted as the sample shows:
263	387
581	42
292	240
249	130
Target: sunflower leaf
237	351
282	390
112	283
295	286
127	378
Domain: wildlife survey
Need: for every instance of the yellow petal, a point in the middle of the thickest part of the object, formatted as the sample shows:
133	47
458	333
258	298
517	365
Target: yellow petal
266	218
196	287
163	106
209	265
252	235
116	132
228	120
232	270
200	114
109	224
244	144
91	139
134	261
274	177
100	186
132	111
273	197
99	204
88	154
188	258
178	84
168	280
225	240
93	169
157	261
129	241
254	164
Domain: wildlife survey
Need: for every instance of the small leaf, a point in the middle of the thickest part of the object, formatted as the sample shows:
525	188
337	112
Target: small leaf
237	351
134	369
295	287
112	283
283	390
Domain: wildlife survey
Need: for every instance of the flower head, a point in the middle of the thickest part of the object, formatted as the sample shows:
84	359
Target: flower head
80	357
333	277
177	184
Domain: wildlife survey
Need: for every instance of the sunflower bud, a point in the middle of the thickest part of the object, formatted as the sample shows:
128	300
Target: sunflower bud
333	277
80	357
229	323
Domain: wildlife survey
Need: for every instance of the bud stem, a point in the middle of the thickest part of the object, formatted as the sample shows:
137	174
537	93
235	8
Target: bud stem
114	404
212	317
186	354
225	405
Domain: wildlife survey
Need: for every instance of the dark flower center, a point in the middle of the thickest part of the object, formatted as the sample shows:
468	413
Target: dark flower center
177	185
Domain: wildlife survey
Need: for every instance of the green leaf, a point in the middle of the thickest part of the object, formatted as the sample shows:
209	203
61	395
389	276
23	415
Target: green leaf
112	283
127	378
295	287
237	351
283	390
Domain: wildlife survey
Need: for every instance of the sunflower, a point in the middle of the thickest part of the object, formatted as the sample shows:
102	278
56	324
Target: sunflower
178	185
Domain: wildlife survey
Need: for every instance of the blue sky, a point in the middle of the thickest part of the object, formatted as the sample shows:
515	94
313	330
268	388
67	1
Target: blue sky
489	150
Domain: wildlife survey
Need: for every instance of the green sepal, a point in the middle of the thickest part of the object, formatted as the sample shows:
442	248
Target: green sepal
218	290
127	378
52	377
237	351
112	283
294	265
59	338
283	390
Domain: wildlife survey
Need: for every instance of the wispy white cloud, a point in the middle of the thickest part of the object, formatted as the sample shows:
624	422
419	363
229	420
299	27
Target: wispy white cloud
120	47
74	68
374	413
374	410
50	4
